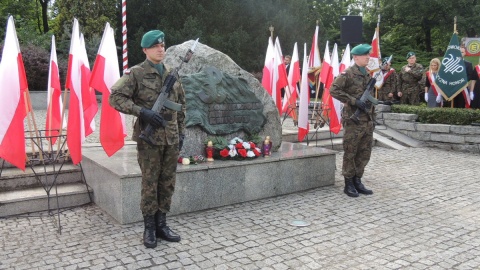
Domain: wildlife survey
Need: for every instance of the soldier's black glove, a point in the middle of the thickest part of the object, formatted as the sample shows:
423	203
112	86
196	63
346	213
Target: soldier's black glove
151	117
361	105
181	137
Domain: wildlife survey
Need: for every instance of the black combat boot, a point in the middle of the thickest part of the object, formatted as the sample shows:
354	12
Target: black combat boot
350	188
149	239
357	182
163	231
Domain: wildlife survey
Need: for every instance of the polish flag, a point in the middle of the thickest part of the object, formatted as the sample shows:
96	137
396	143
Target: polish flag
325	65
13	82
303	125
293	78
54	123
314	62
334	105
279	76
267	76
89	99
75	125
346	60
104	75
375	60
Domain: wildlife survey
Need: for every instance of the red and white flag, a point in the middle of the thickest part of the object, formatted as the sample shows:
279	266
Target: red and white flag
293	78
325	65
89	99
75	125
346	59
104	75
375	60
54	123
314	62
267	76
304	101
13	87
279	76
333	105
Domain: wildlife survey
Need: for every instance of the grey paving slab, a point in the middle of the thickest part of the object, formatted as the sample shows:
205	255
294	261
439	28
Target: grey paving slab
424	214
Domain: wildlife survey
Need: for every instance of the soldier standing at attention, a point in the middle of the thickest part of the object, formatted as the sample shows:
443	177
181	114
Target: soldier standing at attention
135	93
409	87
348	87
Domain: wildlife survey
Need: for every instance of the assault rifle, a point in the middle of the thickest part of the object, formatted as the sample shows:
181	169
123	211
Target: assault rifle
162	100
368	99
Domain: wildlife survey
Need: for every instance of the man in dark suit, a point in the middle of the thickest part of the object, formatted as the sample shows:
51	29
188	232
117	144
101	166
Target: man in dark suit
472	76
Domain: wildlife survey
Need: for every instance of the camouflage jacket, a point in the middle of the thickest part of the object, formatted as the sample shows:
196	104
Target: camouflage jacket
347	88
390	83
410	81
139	88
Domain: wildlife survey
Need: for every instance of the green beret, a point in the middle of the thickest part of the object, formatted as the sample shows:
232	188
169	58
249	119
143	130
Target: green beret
152	37
410	54
361	49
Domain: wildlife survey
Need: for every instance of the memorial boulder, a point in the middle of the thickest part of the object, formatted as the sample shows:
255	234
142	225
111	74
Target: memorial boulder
223	100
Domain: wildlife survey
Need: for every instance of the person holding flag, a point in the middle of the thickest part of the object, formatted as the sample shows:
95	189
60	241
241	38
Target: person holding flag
348	87
464	100
135	93
388	91
408	81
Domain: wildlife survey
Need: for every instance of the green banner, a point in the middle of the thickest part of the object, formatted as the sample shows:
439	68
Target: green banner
452	76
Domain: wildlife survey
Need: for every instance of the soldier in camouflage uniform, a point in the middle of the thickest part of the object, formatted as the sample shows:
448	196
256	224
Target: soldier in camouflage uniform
388	91
348	87
409	81
135	93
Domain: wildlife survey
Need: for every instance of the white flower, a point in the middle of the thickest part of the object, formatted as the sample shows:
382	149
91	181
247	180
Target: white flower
236	140
258	149
250	154
232	152
246	145
231	146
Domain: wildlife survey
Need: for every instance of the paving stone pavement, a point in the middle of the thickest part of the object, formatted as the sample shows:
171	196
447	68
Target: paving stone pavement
424	214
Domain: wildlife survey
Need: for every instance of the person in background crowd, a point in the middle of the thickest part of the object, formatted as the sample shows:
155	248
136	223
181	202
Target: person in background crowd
348	87
408	81
432	96
472	77
388	92
135	93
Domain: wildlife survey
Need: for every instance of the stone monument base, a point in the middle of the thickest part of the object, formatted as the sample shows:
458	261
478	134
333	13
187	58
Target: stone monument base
116	180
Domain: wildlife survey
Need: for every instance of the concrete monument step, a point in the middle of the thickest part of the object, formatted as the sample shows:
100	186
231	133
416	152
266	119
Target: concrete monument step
398	136
37	199
12	178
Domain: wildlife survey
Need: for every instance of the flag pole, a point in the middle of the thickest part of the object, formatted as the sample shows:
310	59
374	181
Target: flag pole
64	107
32	115
124	35
377	30
271	28
317	84
455	32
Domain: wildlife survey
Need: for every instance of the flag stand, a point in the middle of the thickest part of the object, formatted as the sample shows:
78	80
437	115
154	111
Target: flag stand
320	122
55	159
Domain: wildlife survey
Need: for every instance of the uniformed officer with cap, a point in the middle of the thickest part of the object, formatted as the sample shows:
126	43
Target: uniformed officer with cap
409	78
348	87
135	93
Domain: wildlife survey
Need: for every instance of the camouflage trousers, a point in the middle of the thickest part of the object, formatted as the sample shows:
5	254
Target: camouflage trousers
357	146
410	97
159	167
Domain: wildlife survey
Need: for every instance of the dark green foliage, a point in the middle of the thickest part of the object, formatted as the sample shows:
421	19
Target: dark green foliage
217	141
36	64
449	116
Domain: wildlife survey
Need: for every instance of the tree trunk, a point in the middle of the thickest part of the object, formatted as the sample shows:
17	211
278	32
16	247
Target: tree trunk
44	4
